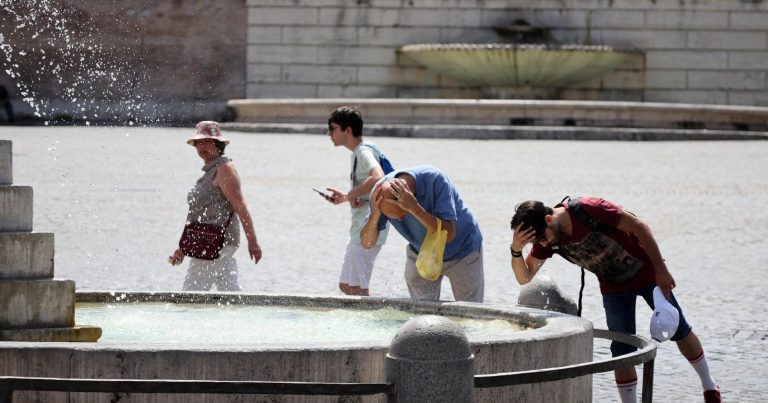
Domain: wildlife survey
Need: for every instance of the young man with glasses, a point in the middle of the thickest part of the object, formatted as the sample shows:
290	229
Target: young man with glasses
345	128
620	249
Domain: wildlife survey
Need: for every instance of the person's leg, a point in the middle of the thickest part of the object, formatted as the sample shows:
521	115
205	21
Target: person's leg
346	273
418	287
690	347
467	277
199	276
620	317
362	267
227	277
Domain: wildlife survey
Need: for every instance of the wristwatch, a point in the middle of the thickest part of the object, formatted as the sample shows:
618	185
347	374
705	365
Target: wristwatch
514	252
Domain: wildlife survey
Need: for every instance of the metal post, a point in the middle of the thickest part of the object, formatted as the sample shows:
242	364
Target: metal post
430	360
648	382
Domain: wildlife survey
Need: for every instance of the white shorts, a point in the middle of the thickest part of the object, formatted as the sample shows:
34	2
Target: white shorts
202	274
358	265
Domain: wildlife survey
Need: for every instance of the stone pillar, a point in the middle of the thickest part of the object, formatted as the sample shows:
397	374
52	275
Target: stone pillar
430	360
6	163
34	306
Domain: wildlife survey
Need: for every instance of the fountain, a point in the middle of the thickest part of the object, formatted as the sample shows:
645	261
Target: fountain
37	323
528	68
522	339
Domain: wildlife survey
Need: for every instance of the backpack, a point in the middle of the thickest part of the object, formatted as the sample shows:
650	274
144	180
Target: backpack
386	166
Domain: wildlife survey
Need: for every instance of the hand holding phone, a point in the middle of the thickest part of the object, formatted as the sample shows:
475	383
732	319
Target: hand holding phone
328	197
321	193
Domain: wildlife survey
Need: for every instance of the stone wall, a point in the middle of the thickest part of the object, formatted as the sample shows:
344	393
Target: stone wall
124	59
707	51
172	60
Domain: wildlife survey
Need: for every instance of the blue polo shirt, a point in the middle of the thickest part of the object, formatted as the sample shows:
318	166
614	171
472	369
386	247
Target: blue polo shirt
437	195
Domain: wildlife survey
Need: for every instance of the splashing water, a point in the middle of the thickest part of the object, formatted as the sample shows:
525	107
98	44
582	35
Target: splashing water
54	48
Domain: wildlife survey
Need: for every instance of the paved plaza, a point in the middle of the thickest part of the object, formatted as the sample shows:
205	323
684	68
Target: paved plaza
116	200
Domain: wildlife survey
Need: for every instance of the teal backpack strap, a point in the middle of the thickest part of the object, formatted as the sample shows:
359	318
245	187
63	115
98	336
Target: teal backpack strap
386	166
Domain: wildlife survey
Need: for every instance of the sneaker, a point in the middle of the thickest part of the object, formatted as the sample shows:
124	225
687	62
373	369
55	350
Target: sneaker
712	396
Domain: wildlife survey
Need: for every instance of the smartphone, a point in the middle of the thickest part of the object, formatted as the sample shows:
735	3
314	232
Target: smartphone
321	193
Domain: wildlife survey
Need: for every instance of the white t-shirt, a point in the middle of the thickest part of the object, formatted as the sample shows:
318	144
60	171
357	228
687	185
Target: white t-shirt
367	159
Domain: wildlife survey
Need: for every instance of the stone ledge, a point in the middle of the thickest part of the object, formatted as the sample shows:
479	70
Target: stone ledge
506	112
15	208
84	333
29	304
499	132
26	255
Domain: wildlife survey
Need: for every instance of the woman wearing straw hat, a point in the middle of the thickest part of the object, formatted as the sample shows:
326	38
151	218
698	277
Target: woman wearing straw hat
217	199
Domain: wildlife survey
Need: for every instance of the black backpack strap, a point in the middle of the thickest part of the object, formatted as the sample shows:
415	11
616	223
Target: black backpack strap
578	211
592	224
581	293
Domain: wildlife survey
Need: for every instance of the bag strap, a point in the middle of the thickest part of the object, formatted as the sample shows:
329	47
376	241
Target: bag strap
575	206
229	220
581	293
578	210
354	165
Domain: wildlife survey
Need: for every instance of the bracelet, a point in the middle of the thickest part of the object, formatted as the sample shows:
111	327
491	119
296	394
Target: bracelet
514	252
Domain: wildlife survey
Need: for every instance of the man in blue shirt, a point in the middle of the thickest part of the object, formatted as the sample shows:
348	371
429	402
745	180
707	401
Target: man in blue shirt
412	200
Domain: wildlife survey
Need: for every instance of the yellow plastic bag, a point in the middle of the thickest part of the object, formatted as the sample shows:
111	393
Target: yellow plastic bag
429	262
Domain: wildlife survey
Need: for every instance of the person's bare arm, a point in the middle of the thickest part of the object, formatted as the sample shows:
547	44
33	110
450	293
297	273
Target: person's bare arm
407	201
634	225
370	232
338	197
525	269
229	182
364	187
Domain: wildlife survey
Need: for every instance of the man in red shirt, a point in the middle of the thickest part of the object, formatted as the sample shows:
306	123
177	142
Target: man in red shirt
619	248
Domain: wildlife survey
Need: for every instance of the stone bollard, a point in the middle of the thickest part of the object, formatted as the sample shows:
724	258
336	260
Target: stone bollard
543	293
430	360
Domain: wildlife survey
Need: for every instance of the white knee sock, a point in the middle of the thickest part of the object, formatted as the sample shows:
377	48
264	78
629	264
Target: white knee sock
699	364
628	391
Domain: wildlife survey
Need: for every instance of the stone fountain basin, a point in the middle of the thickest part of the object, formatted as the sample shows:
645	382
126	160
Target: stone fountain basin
551	340
518	65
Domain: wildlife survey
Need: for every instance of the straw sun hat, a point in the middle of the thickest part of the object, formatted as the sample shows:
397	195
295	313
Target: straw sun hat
207	129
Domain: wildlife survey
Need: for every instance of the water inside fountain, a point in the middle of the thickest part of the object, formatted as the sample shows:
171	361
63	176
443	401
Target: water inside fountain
240	324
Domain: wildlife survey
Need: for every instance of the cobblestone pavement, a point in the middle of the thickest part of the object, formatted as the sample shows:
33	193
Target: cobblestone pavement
116	200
